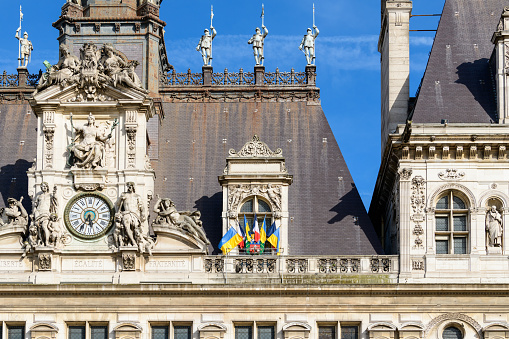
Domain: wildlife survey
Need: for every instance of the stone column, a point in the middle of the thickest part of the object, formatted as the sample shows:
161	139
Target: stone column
405	264
259	72
207	75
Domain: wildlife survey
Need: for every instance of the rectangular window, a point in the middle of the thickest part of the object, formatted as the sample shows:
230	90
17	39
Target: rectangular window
99	332
460	223
442	223
265	332
243	332
76	332
460	245
349	332
182	332
442	246
159	332
327	332
16	332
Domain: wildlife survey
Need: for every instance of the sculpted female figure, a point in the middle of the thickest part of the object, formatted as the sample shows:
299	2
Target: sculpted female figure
90	152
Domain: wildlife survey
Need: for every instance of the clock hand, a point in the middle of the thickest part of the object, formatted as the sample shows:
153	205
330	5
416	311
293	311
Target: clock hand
89	220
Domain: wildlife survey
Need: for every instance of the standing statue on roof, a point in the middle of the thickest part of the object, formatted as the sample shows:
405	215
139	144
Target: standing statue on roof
307	44
257	41
205	44
25	45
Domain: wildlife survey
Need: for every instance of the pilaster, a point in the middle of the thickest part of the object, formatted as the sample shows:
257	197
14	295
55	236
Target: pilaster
501	40
405	175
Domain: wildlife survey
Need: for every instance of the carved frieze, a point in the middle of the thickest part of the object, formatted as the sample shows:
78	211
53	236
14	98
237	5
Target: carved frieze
451	174
418	202
128	261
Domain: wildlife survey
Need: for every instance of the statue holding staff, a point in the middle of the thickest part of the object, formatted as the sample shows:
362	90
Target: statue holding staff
307	44
25	45
205	44
257	41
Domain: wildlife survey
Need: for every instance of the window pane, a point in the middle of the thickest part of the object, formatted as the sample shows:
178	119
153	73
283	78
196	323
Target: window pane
99	332
442	223
460	223
243	332
16	332
263	206
442	246
247	207
349	332
458	204
460	245
182	332
443	203
452	333
326	332
265	332
160	332
76	332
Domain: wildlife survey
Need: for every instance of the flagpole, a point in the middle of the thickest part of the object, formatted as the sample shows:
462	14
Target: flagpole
212	31
19	42
263	15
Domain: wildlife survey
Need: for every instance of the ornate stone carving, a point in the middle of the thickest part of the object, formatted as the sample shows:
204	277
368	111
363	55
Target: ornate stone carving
405	173
451	174
494	227
129	220
459	152
473	152
453	316
418	198
296	265
237	193
186	222
88	149
431	152
49	133
328	265
418	153
418	265
381	265
44	261
128	261
501	152
405	153
45	217
131	146
487	152
214	265
256	148
445	152
14	215
95	69
506	54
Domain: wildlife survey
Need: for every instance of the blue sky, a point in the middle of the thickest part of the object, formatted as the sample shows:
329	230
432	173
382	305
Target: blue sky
348	64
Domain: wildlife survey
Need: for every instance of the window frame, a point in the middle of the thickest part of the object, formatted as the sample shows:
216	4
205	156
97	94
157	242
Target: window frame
451	235
269	217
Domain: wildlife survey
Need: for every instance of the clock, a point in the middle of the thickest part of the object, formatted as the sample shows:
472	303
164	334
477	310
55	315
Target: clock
89	215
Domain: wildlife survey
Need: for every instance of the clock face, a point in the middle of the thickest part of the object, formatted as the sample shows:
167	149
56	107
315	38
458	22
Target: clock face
89	215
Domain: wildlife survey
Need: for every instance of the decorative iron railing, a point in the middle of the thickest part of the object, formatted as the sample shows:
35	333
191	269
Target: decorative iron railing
9	80
226	78
181	79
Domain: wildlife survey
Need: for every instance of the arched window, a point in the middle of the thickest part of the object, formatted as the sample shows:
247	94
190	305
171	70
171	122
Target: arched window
451	224
452	333
259	207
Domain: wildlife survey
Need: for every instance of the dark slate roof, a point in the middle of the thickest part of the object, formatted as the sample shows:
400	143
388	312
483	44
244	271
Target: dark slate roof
18	140
457	84
192	155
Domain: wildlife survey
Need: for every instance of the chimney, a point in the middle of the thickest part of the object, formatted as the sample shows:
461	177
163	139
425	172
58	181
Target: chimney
394	47
501	40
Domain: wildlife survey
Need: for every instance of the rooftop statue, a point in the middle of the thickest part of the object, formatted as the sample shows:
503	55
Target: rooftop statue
95	68
25	48
257	41
77	2
205	46
307	45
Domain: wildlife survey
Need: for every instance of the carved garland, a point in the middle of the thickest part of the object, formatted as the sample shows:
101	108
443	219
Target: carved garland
451	174
458	187
131	146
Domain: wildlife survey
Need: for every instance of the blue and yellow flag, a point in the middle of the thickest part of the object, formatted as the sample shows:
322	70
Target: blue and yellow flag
263	232
273	237
230	240
246	224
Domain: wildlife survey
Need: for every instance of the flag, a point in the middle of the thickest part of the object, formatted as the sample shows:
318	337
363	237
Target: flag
256	230
242	234
263	233
246	224
230	240
273	236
